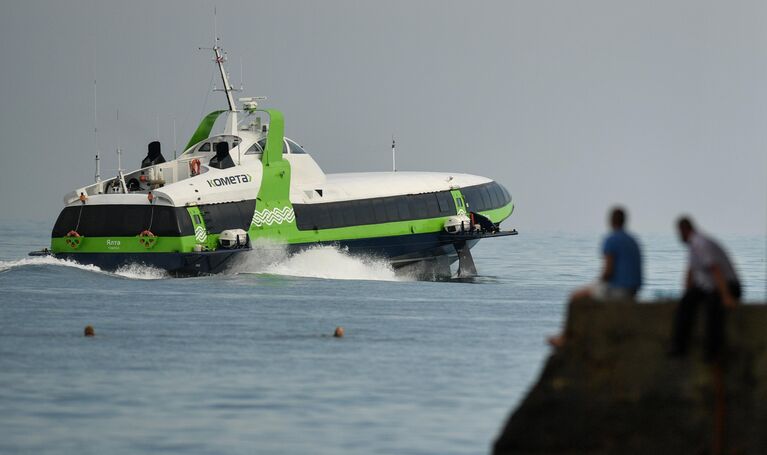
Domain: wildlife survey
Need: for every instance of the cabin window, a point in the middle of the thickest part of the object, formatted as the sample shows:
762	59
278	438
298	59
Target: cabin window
294	147
204	147
432	206
495	201
364	212
445	201
254	150
370	211
487	196
392	214
228	215
403	209
262	144
418	207
337	216
506	195
123	220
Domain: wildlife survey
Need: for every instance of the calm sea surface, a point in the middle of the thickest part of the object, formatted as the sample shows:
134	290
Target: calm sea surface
244	362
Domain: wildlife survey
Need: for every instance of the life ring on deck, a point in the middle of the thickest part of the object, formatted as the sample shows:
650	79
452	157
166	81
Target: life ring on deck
73	239
147	239
194	166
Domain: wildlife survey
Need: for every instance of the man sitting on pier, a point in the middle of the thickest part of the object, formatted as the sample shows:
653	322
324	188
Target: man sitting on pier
622	268
621	271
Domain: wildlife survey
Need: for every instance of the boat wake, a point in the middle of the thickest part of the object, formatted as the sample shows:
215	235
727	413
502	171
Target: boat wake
6	266
131	271
326	262
141	272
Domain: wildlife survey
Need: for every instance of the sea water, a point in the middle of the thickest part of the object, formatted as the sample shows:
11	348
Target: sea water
245	362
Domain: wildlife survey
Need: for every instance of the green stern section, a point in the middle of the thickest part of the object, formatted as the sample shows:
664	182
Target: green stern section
274	217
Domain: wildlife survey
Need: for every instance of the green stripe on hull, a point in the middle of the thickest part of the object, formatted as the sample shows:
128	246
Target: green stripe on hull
124	245
286	232
425	226
499	214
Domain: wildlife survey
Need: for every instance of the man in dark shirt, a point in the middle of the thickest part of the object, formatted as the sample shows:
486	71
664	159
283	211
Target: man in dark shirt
710	281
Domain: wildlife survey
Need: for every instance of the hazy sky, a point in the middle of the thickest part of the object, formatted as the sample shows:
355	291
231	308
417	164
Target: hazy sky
572	105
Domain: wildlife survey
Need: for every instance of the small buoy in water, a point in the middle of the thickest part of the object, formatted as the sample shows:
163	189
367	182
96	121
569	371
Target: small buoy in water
339	333
89	332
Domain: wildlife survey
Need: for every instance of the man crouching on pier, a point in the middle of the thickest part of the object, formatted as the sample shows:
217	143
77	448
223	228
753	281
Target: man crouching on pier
710	281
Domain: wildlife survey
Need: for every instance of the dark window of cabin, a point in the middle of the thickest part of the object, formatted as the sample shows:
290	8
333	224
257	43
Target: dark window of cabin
254	149
349	214
322	215
122	221
486	201
507	196
336	215
204	147
228	215
67	221
487	196
445	200
262	144
365	212
392	214
495	201
185	226
418	207
294	147
380	210
432	206
371	211
403	208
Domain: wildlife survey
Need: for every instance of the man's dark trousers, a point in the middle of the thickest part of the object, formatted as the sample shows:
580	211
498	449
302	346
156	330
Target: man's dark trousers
684	318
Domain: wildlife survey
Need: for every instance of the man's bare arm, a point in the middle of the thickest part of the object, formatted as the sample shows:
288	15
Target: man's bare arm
607	270
721	285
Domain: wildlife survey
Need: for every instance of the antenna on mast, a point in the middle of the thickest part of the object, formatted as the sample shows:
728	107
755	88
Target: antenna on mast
96	135
219	57
393	155
174	138
119	150
242	75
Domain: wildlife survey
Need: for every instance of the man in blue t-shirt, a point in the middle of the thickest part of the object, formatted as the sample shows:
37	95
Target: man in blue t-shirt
622	269
621	275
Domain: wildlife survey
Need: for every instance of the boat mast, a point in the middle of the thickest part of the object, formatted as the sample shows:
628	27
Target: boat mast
174	138
96	135
220	58
119	150
393	155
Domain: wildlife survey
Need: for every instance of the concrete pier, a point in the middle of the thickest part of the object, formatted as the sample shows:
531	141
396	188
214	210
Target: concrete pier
613	389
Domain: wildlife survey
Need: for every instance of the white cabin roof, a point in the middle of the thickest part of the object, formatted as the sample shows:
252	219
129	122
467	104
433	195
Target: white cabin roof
362	185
